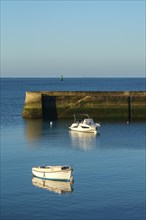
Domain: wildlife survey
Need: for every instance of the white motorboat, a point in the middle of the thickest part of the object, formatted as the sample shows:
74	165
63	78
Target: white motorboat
51	185
84	125
61	173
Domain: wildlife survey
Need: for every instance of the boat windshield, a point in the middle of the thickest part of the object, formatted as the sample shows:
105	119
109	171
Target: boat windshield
89	121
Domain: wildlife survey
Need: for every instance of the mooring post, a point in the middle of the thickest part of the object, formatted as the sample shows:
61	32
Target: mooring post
129	109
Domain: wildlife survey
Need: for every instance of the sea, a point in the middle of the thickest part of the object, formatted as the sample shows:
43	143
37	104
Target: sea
108	167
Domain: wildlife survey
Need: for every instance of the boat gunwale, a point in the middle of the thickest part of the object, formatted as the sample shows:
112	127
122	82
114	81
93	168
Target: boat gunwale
60	180
44	171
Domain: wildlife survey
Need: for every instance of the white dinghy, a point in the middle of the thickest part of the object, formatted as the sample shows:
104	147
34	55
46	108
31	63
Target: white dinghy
84	125
61	173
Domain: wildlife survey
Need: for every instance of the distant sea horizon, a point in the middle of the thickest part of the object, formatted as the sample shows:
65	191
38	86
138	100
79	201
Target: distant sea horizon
72	77
23	84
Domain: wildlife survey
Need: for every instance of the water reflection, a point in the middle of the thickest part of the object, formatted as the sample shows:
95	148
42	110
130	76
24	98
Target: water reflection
82	140
55	186
33	129
37	130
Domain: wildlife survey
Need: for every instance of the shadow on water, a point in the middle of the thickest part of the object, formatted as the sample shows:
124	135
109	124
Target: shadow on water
49	107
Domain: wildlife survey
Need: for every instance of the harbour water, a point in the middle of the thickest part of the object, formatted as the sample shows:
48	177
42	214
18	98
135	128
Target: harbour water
109	168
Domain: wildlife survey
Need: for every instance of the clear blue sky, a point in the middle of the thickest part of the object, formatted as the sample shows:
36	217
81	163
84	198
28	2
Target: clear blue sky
73	38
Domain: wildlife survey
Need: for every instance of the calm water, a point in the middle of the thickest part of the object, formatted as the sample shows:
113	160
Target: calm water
109	168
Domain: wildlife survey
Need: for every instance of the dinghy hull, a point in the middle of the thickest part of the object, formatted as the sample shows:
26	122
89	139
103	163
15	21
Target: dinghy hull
53	173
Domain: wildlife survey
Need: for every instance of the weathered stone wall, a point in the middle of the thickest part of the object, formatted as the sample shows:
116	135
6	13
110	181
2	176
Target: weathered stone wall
33	105
102	105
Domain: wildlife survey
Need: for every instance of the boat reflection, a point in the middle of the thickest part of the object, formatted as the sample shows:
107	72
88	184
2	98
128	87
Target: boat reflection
82	140
55	186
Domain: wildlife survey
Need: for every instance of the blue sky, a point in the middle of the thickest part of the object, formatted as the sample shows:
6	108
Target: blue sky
73	38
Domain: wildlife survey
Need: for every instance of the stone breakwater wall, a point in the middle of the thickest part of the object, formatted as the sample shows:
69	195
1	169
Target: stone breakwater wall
100	105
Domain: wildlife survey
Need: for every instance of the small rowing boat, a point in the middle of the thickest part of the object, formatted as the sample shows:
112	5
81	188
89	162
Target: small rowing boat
61	173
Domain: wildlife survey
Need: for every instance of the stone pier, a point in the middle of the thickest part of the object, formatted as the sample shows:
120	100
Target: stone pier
51	105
